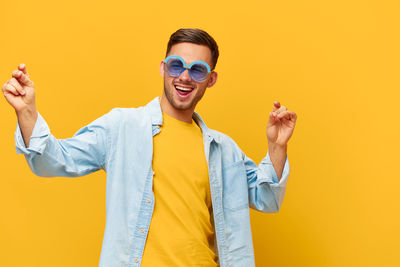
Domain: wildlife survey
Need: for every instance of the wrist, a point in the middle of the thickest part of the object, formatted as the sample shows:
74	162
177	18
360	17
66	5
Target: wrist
272	146
277	145
28	112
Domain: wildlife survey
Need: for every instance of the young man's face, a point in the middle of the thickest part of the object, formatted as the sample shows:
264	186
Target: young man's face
193	91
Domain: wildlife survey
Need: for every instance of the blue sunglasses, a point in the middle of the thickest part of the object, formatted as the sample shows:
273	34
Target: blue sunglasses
175	65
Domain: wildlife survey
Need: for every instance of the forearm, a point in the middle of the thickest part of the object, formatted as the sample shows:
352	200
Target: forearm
278	156
26	120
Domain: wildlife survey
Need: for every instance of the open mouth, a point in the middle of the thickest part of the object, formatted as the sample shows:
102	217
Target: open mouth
183	90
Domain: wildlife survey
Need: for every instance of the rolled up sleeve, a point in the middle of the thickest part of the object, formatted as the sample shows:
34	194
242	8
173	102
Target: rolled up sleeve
266	191
38	138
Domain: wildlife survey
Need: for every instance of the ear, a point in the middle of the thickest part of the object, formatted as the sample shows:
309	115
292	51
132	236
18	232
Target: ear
213	79
162	69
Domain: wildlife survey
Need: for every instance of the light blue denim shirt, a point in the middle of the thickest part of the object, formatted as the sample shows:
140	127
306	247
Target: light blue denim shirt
121	143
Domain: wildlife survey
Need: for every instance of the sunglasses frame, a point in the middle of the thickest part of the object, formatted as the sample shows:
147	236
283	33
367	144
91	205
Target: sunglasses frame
188	67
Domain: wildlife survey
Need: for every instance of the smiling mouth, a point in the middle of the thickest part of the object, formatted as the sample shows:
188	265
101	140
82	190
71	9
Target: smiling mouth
183	90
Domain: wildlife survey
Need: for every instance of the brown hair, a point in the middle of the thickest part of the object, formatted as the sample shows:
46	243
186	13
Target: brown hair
195	36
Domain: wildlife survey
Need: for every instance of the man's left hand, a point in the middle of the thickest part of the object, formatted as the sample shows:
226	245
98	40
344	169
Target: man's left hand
280	125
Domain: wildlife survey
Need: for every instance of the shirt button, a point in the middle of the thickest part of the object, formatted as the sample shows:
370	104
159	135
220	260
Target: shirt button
136	259
148	200
141	230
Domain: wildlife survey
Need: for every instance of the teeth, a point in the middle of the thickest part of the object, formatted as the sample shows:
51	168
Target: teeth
184	88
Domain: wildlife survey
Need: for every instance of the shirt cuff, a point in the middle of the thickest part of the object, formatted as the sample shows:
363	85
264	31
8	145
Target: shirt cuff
271	173
38	140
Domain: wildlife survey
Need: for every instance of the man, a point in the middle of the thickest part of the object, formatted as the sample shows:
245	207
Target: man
178	193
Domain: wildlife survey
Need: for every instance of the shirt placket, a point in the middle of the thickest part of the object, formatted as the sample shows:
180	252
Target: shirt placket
144	217
143	223
214	160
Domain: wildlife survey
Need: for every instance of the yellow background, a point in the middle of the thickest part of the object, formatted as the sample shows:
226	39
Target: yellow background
335	63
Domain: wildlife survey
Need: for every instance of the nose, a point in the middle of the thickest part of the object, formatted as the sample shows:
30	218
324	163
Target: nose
185	76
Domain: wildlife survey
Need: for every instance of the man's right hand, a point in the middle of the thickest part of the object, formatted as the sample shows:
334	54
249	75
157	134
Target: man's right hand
20	93
19	90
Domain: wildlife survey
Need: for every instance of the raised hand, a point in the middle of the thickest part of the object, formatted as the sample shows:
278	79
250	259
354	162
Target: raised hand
20	93
280	125
19	90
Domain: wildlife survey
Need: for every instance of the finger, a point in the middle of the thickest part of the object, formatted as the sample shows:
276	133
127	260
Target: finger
289	115
16	85
22	68
16	73
276	106
294	117
22	78
281	109
273	117
8	88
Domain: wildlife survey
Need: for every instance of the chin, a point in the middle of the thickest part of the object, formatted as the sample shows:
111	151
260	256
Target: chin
176	102
182	106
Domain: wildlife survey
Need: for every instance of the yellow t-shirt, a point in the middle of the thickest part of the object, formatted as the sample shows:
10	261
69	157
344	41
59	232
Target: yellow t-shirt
181	233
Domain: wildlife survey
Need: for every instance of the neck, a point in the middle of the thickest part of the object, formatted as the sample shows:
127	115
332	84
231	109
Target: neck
182	115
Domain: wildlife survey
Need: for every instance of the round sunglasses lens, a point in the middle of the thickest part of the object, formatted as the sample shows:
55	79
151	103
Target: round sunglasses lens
174	67
198	72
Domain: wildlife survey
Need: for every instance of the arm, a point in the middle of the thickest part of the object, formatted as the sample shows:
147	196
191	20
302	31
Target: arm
278	158
79	155
27	120
266	190
47	156
267	182
280	128
20	94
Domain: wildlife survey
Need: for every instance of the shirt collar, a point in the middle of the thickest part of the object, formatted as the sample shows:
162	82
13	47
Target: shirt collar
157	119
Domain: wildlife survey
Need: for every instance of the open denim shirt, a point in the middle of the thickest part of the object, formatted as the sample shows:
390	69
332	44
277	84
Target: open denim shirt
121	143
